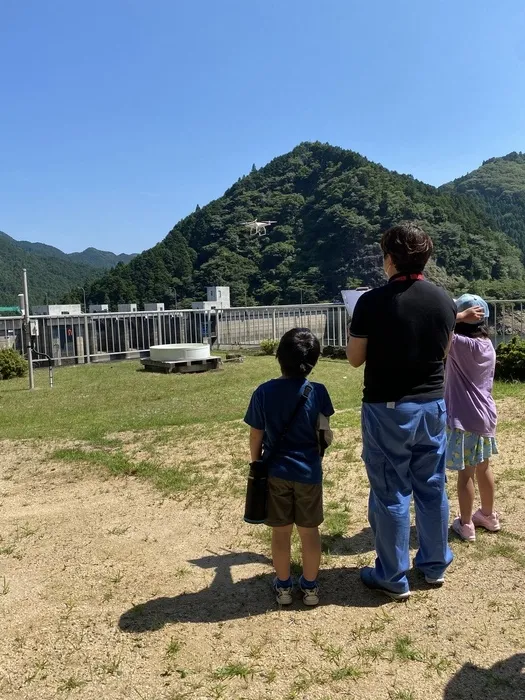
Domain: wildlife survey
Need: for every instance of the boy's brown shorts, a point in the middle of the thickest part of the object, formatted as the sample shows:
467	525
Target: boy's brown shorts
291	502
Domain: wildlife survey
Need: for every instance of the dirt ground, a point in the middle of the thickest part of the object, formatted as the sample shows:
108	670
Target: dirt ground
109	590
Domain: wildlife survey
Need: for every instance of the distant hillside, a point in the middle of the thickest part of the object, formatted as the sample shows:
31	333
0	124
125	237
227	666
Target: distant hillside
101	259
50	278
499	185
331	206
52	273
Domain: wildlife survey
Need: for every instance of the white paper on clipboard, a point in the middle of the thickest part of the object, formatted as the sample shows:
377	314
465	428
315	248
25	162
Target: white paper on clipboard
350	297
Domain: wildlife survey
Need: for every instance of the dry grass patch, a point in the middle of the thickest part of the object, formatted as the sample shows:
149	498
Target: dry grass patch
149	585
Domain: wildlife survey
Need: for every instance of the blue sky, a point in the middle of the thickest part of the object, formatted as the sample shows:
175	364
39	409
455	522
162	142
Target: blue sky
117	117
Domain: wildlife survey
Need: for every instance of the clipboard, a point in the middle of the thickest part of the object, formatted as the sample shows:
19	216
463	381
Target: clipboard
350	297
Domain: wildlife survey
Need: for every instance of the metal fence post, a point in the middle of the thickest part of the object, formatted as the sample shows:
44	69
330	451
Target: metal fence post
86	340
27	333
218	327
159	322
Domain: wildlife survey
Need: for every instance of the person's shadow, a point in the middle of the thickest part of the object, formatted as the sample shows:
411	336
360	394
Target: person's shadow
503	681
360	543
225	600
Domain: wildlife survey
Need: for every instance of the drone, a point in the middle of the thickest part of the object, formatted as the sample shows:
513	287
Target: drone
258	228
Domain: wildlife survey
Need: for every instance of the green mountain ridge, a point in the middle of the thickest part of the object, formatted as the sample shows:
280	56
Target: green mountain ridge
102	259
331	206
51	273
498	185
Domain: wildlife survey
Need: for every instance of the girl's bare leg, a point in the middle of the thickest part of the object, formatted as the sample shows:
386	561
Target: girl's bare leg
485	478
466	494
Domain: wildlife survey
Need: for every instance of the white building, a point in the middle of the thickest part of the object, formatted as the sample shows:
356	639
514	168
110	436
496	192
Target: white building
217	298
153	307
127	308
98	308
57	310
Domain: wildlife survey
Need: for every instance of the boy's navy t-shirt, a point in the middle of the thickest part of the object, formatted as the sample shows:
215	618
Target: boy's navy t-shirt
271	408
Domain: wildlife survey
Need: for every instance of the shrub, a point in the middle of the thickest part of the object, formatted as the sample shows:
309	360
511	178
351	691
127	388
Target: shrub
268	347
334	353
12	364
510	361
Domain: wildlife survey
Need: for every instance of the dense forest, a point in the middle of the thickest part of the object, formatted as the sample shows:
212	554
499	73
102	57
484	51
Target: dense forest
52	273
330	206
50	278
499	186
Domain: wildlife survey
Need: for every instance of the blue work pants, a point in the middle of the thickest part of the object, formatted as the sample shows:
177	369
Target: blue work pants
404	448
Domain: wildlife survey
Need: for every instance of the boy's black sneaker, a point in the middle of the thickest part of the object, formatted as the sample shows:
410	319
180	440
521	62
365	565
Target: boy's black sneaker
283	595
310	593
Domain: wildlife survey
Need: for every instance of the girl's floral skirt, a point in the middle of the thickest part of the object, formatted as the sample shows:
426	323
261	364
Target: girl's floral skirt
468	449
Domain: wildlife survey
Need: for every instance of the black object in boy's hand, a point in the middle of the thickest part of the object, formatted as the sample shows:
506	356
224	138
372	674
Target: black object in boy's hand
256	507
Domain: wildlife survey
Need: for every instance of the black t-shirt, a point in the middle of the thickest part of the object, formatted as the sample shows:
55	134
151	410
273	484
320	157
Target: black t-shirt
408	323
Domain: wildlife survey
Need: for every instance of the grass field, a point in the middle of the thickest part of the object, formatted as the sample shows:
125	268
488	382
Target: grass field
126	570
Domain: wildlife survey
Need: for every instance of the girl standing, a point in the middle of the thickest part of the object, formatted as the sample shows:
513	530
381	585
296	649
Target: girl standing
472	416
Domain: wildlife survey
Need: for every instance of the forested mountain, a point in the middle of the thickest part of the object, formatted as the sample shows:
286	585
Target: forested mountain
499	185
51	273
50	278
330	206
101	259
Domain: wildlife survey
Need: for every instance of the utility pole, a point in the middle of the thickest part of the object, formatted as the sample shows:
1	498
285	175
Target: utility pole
27	334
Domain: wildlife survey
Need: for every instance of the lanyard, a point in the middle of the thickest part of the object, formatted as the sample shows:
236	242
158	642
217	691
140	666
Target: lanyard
406	278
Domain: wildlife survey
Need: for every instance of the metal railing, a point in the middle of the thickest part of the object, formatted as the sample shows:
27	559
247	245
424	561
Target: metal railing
249	326
112	336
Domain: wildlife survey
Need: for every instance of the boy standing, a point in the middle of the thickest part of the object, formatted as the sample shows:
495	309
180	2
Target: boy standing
295	494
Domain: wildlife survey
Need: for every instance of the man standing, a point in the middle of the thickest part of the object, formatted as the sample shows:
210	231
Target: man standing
402	332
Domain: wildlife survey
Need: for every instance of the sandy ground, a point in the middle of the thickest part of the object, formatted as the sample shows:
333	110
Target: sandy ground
108	590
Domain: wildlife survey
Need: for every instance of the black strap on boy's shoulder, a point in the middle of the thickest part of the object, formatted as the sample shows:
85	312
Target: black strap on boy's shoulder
307	390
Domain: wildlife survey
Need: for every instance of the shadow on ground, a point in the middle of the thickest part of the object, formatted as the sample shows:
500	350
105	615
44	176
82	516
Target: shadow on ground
360	543
503	681
226	600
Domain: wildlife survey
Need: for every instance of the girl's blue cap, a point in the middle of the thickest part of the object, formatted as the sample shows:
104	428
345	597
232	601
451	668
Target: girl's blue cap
467	301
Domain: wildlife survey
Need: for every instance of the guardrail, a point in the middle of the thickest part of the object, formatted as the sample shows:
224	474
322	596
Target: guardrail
111	336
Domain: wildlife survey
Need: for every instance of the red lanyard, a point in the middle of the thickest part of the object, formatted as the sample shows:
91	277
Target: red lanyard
406	278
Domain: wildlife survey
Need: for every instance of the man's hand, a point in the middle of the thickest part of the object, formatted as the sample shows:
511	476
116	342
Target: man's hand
473	315
356	351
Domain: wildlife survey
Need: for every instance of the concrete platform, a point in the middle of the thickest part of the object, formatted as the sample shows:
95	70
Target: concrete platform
181	366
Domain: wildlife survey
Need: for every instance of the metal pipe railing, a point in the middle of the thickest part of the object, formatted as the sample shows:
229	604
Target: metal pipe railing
111	336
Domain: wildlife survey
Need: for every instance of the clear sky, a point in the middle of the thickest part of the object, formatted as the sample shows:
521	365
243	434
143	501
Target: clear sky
117	117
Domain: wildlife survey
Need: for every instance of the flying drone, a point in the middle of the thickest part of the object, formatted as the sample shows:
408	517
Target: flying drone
257	228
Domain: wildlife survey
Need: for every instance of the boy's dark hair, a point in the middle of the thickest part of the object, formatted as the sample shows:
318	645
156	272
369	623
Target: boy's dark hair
471	330
298	352
409	247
